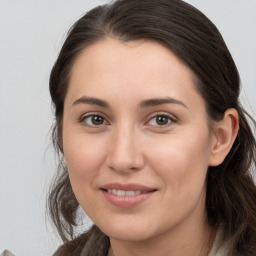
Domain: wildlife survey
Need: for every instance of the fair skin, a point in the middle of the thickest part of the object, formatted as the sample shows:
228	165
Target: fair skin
134	121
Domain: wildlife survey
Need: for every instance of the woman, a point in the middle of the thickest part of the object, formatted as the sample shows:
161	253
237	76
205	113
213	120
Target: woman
154	145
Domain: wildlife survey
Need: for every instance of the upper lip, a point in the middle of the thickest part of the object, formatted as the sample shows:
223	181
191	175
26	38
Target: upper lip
127	187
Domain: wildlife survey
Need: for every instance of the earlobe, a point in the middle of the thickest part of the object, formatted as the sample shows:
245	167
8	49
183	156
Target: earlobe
224	135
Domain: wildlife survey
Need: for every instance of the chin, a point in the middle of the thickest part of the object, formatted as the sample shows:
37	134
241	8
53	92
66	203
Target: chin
129	232
134	236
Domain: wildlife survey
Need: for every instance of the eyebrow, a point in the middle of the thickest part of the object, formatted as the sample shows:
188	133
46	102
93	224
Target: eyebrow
143	104
91	101
160	101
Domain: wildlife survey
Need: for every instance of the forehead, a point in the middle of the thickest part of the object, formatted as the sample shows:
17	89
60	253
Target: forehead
133	55
140	67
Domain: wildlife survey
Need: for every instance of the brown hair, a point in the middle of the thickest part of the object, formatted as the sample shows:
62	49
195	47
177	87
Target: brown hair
192	37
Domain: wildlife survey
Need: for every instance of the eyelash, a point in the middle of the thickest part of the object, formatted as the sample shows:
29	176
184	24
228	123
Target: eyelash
170	119
83	120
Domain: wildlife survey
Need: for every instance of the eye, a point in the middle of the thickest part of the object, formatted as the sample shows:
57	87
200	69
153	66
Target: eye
93	120
160	120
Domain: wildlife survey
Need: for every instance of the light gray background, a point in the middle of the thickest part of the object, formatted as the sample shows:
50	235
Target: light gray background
31	34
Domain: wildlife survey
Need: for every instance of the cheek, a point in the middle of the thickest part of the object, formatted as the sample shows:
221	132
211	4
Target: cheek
84	157
182	162
182	167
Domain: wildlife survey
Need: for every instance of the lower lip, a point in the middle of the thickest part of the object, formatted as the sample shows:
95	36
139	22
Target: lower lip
127	201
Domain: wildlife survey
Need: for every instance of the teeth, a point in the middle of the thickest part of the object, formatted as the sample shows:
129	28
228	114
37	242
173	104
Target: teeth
129	193
124	193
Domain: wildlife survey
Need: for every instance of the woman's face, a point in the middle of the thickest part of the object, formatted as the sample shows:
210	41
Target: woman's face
136	140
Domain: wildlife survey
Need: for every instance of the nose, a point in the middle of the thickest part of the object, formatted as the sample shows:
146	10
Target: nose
125	153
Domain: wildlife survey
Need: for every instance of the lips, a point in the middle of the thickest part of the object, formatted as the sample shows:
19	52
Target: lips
126	195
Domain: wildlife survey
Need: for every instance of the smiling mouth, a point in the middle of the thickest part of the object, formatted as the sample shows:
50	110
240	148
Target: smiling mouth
127	195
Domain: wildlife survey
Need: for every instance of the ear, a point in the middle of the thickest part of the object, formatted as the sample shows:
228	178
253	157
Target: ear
224	135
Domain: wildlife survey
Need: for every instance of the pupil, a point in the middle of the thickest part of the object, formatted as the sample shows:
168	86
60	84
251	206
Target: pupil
97	120
162	120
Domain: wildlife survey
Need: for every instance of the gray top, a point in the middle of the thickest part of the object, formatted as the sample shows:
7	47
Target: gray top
218	249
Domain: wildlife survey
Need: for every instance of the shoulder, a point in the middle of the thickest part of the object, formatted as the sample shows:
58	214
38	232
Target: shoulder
91	243
6	253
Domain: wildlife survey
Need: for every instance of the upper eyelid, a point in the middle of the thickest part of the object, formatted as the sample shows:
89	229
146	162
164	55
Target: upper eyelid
171	116
85	115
